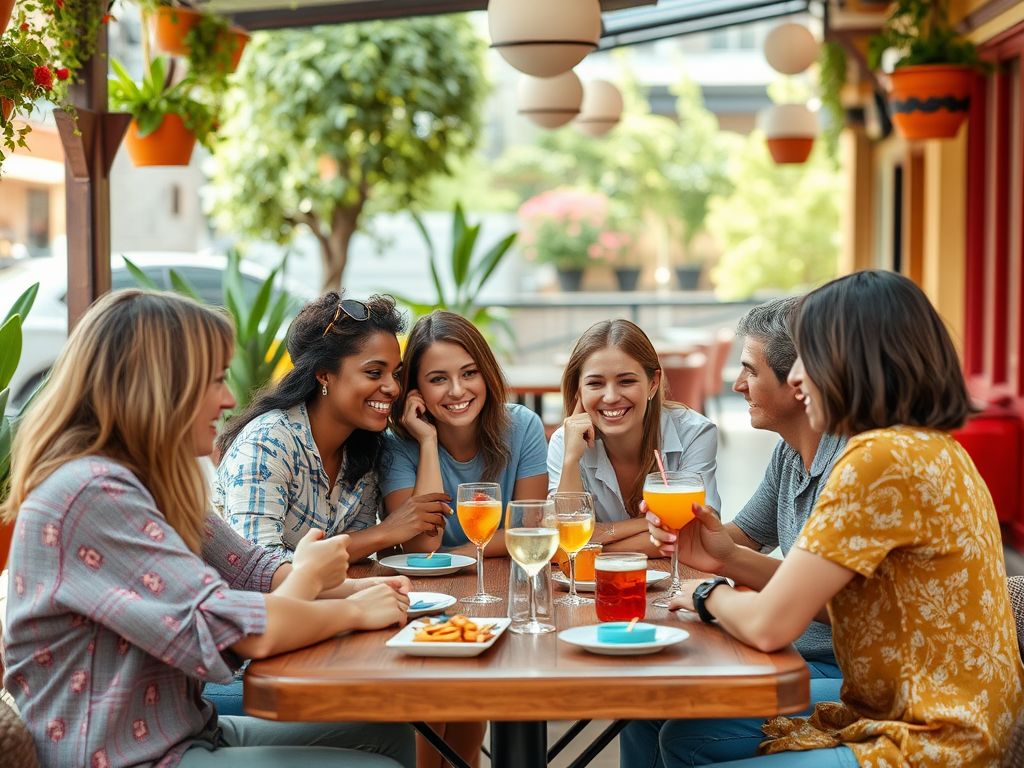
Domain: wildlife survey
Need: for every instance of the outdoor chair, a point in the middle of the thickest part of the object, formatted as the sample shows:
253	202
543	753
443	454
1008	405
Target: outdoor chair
717	358
686	378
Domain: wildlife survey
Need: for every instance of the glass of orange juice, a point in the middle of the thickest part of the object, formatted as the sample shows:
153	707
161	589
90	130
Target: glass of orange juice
479	511
575	512
672	498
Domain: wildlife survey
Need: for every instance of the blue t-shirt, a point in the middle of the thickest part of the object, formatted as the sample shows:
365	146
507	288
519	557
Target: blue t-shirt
529	459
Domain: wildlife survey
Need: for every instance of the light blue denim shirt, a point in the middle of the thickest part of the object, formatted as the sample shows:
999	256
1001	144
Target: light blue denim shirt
272	488
688	442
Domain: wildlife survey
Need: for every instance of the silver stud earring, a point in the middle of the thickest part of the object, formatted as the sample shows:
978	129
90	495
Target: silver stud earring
324	390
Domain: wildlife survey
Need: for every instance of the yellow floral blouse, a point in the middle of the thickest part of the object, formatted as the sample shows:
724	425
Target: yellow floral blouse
923	633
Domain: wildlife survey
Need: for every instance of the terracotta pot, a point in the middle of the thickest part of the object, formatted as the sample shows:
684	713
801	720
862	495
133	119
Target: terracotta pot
6	7
6	108
169	27
791	150
170	144
930	101
6	534
238	39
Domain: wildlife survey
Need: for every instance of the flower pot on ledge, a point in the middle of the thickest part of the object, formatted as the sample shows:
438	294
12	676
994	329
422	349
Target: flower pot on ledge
570	279
689	276
628	278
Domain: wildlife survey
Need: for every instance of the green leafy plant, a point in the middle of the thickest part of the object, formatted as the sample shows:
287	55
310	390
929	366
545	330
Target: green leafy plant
468	273
831	79
919	31
572	229
211	45
258	350
154	98
26	76
72	27
10	356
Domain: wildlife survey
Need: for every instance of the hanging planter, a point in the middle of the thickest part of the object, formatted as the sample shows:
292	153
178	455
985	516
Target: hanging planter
790	130
542	38
930	101
6	7
549	102
170	27
170	144
601	109
235	40
6	109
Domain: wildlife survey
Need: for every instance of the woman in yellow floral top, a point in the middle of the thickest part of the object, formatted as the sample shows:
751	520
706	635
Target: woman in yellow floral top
903	549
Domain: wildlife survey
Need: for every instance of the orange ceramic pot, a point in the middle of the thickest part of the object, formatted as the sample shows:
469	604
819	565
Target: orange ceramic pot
930	101
170	25
6	108
794	149
6	534
237	38
6	7
170	144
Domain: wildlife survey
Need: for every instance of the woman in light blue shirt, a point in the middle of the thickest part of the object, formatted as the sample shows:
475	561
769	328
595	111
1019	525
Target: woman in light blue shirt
612	388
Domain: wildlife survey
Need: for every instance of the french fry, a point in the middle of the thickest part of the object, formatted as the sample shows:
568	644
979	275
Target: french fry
458	629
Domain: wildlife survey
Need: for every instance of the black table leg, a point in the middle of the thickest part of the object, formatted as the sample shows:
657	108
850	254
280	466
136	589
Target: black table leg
519	745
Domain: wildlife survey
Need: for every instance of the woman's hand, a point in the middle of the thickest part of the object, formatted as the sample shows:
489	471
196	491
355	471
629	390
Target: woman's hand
380	606
415	418
324	560
419	514
400	584
704	543
580	434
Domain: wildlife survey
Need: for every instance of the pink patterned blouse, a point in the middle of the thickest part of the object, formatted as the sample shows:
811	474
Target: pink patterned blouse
114	625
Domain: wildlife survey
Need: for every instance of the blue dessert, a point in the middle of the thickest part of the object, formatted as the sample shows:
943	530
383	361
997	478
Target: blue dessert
422	561
619	632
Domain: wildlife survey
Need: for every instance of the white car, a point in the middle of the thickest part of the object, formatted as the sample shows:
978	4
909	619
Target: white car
46	329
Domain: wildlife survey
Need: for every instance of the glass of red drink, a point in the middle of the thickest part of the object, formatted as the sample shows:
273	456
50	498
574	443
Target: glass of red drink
621	586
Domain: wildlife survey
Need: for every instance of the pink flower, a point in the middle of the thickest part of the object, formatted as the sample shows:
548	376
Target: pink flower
594	251
43	76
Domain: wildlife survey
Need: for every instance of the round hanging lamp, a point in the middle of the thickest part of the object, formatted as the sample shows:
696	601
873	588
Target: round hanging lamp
790	130
550	102
790	48
544	38
601	108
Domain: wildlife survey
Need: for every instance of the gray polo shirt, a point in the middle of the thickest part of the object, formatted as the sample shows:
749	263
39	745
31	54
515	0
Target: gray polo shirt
778	510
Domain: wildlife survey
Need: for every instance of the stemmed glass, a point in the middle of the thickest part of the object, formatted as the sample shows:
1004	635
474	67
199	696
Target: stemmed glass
531	536
671	497
479	510
575	513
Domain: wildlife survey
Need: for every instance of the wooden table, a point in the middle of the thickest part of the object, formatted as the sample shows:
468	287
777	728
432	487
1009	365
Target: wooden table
524	681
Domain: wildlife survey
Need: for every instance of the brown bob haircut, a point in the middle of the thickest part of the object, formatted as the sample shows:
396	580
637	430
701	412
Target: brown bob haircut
881	355
494	426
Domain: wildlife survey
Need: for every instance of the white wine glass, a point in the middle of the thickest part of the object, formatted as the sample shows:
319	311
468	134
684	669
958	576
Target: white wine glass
575	515
478	508
531	536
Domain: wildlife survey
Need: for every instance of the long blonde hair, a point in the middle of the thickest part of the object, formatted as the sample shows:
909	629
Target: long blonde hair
129	386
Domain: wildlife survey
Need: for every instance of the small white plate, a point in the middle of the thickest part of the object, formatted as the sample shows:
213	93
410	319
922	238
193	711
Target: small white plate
403	640
653	577
436	602
400	563
586	637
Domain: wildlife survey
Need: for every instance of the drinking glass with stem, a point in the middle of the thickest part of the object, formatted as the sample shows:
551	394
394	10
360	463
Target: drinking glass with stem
531	536
671	497
478	508
575	514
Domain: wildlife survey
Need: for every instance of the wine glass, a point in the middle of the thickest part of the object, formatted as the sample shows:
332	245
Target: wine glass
479	510
531	536
671	497
575	514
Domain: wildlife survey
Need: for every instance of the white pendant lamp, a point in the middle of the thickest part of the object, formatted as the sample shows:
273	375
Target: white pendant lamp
544	38
601	108
790	130
550	102
790	48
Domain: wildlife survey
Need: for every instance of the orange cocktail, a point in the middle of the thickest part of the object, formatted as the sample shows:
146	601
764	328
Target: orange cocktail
575	530
479	519
673	504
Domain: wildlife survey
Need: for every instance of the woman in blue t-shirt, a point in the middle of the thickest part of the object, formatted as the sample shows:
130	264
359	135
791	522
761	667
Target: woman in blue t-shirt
456	426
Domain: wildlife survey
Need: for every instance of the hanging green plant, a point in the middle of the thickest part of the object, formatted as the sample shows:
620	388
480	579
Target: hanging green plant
72	29
831	79
214	50
26	77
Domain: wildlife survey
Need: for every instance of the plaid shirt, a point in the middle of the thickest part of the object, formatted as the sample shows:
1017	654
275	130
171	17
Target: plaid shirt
272	488
113	624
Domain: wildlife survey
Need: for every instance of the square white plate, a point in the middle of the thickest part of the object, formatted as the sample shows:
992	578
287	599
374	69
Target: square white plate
403	640
653	577
400	563
586	637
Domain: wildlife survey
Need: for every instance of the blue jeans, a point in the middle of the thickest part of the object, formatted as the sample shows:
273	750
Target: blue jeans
226	698
249	742
679	743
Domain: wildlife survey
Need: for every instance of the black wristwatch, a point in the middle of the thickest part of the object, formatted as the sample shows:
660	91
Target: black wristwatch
700	594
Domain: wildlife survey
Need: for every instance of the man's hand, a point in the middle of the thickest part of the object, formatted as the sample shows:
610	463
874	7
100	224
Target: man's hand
703	543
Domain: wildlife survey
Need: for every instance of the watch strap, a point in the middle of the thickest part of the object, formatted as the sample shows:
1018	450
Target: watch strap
700	594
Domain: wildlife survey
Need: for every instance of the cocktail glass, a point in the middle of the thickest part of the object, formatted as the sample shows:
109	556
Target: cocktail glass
672	498
479	510
575	513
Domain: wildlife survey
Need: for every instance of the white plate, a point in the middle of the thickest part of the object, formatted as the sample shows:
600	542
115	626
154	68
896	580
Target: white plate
653	577
586	637
399	563
403	641
437	602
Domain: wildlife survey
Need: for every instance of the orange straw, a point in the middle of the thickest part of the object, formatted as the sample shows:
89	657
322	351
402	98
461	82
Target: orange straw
430	555
632	623
661	467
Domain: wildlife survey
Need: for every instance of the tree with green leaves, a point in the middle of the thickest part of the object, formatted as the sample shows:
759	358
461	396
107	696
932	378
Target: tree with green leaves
329	123
779	228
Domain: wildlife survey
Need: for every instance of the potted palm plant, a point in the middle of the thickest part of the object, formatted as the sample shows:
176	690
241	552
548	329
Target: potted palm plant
166	119
931	82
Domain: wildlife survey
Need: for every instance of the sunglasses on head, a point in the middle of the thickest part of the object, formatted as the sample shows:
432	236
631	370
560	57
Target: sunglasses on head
353	308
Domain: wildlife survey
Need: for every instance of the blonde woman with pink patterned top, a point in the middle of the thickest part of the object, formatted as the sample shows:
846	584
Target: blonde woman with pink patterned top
126	596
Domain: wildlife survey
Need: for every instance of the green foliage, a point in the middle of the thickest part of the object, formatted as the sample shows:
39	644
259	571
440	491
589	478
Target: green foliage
10	355
468	272
258	351
22	55
572	229
151	100
831	79
779	228
72	26
210	46
919	30
325	119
